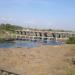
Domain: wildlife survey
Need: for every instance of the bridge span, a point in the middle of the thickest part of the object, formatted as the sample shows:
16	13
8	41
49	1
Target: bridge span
42	35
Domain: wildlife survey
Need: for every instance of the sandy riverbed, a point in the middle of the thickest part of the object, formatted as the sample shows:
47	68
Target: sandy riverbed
44	60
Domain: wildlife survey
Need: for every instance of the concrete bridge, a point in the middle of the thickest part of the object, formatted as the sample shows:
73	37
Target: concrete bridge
29	34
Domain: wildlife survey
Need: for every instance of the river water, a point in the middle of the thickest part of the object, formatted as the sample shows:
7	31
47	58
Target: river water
27	44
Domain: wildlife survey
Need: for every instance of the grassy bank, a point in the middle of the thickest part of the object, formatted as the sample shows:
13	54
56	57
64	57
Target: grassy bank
7	32
5	37
71	40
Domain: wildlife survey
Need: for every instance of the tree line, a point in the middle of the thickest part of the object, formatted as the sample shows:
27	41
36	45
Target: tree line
9	27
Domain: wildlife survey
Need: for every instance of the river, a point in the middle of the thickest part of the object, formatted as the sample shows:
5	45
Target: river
27	44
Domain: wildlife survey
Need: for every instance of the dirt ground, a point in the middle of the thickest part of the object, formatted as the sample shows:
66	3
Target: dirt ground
44	60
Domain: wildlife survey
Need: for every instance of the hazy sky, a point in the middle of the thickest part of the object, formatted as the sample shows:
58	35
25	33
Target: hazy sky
56	14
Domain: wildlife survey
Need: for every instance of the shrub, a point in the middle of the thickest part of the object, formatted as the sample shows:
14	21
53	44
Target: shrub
71	40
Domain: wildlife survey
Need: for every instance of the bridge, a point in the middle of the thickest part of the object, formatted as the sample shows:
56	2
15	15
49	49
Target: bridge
29	34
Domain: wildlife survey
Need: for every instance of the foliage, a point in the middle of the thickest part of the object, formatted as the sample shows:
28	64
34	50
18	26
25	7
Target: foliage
50	30
6	30
71	40
9	27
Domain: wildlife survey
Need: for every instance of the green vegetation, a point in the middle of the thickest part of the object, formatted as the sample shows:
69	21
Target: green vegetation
9	27
7	30
71	40
71	71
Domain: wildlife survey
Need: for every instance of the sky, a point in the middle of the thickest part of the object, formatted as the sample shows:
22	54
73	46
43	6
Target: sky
53	14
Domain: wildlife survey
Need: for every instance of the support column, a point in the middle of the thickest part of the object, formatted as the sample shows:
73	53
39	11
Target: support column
56	36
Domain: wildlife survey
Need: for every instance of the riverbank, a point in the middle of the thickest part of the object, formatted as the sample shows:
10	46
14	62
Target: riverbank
6	37
44	60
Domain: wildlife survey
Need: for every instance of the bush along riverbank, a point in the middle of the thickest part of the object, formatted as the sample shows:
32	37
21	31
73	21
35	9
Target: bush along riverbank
7	32
6	36
6	40
71	40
